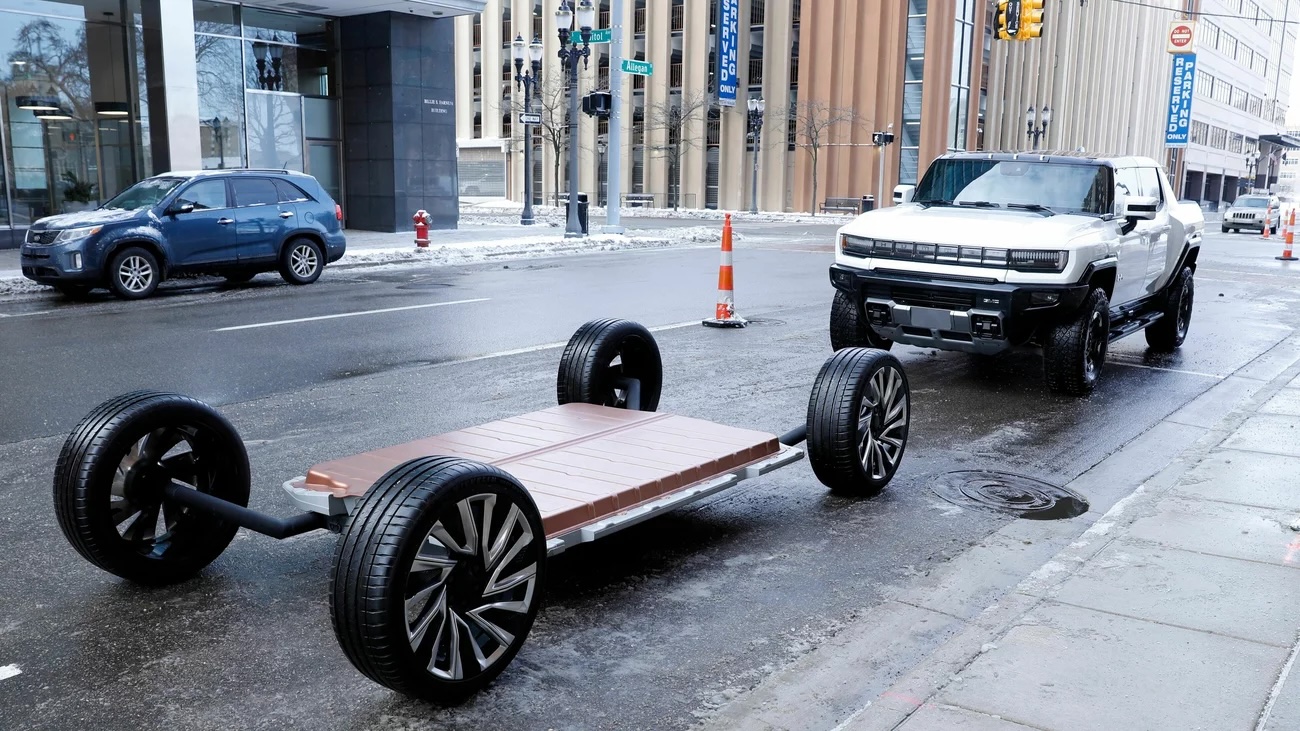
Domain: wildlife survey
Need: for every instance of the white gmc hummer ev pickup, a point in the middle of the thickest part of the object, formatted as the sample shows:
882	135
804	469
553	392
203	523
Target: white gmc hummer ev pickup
993	251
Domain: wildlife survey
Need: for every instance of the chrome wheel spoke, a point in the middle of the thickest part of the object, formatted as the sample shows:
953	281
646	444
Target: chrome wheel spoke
144	526
435	609
120	510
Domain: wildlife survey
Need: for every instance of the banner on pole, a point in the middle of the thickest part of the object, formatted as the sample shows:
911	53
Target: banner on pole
1179	103
728	47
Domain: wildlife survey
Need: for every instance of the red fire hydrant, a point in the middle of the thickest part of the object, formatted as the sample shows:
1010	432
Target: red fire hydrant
421	219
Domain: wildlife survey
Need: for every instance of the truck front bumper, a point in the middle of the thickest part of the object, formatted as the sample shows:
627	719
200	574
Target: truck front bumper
972	316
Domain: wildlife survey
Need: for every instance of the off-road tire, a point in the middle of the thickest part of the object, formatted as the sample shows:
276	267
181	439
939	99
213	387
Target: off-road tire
859	412
301	261
1074	350
374	568
586	367
1170	331
1225	229
86	483
847	328
133	259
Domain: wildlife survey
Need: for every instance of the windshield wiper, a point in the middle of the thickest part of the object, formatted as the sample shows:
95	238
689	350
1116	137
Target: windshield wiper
1036	207
934	202
979	204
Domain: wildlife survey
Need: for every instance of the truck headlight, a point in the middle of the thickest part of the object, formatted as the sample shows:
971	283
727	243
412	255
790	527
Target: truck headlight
75	234
855	245
1038	260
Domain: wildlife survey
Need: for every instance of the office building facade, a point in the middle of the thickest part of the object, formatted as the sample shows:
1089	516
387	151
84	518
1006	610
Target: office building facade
97	94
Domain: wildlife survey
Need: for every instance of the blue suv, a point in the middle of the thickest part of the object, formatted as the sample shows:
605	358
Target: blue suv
231	223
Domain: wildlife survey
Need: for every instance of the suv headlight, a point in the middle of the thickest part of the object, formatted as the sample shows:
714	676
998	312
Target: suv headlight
75	234
1038	260
855	245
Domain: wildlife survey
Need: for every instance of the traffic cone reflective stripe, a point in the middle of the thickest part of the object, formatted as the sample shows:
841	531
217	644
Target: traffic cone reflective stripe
725	313
1268	213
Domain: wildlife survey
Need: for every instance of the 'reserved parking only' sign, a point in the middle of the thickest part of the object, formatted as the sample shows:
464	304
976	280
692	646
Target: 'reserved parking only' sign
728	50
1179	103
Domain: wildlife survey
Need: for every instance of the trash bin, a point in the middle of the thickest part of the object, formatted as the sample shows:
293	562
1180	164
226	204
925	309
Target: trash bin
582	211
868	203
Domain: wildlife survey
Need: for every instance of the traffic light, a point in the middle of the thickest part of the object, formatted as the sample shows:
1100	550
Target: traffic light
1007	20
598	104
1031	20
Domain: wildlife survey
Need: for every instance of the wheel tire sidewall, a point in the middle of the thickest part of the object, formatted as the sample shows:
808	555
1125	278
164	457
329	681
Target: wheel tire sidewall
84	479
1100	310
582	372
833	452
286	264
849	330
410	674
115	280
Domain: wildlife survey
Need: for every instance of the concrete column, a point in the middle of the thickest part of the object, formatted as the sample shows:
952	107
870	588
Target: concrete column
658	39
491	54
464	72
695	62
172	78
773	170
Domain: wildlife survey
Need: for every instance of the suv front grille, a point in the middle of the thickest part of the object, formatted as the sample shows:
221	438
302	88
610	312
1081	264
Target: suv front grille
940	299
41	238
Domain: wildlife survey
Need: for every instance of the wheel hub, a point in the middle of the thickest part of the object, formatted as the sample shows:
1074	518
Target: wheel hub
144	483
466	585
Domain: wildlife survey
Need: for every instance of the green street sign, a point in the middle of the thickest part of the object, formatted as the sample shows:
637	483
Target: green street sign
638	68
598	35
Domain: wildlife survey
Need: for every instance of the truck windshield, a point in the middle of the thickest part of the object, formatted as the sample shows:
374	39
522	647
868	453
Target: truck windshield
1059	187
1251	203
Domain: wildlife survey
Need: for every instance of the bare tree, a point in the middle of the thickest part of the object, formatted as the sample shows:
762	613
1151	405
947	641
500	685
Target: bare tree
816	123
673	117
551	101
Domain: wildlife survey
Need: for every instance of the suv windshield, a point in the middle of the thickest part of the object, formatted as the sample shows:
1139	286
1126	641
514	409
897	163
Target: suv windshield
1061	187
1251	203
144	194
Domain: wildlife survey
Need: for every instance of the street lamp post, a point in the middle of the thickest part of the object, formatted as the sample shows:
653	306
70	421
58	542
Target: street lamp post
755	120
1044	118
570	54
1252	160
530	84
600	173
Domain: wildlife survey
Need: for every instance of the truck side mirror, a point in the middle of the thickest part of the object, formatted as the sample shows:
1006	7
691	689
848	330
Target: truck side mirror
903	194
1139	207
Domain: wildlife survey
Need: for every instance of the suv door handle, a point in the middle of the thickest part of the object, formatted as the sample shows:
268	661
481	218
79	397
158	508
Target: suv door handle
286	214
225	221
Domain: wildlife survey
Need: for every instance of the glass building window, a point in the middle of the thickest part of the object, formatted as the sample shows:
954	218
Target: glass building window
959	96
913	70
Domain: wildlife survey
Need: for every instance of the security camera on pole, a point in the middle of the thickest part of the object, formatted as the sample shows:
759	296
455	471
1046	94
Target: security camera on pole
882	140
570	54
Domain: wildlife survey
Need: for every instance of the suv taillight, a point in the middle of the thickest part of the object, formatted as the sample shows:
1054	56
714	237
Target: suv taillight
338	211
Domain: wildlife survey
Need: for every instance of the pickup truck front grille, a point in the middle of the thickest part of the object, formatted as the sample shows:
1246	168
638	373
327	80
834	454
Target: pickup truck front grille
1244	216
941	299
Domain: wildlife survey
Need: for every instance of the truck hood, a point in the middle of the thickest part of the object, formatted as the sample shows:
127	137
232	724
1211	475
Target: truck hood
1000	228
96	217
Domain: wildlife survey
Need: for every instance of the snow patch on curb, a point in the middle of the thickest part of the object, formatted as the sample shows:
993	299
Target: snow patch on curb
18	285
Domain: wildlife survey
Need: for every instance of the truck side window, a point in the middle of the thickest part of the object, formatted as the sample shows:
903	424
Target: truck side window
1126	179
1149	179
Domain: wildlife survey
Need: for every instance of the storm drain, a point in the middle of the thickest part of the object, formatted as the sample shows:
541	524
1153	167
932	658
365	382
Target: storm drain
1006	492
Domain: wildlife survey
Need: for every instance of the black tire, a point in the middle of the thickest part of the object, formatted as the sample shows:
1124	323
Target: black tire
1272	230
133	273
1225	229
148	439
373	582
848	330
858	418
301	261
1170	331
74	292
239	277
1074	351
587	368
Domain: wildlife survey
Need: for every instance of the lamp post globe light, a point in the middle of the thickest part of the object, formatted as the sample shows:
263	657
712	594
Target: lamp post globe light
529	83
570	53
755	123
1044	118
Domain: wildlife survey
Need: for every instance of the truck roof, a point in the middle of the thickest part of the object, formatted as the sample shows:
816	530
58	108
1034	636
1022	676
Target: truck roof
1057	156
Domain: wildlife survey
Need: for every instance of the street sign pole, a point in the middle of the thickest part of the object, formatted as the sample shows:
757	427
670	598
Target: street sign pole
615	146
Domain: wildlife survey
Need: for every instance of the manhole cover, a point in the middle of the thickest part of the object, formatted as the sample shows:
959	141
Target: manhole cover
1005	492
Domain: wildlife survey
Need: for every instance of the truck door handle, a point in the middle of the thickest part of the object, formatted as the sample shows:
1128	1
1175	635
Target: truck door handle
225	221
286	214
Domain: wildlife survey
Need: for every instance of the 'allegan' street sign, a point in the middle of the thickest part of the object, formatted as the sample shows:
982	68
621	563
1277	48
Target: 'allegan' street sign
639	68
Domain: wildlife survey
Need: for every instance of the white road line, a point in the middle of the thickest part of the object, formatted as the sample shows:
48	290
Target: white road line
9	671
1168	370
553	346
30	314
348	314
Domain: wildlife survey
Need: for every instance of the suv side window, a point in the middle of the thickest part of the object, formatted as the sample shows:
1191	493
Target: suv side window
205	195
1149	179
290	193
254	192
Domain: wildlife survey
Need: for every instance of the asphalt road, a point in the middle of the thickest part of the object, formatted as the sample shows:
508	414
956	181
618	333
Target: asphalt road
653	628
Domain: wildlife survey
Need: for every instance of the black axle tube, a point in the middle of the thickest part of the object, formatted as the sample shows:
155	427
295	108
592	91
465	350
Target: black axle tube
794	436
241	516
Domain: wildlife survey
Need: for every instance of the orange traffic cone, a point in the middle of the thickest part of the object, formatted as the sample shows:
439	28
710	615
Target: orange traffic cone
726	316
1268	214
1289	238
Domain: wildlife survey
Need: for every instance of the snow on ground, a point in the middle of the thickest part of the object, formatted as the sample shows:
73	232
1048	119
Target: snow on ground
17	285
502	211
528	247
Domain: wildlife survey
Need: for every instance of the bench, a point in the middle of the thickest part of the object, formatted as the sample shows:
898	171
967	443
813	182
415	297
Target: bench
842	205
639	200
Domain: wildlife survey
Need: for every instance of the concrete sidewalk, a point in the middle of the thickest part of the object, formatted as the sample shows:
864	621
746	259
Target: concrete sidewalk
1178	609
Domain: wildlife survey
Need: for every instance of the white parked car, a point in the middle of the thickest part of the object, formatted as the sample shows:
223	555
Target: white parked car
999	250
1252	212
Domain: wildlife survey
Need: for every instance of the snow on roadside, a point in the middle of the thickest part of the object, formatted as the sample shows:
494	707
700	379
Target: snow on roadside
528	247
499	212
18	285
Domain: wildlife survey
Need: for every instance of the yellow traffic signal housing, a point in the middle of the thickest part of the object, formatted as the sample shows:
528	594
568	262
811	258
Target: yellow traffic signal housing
1031	20
1006	20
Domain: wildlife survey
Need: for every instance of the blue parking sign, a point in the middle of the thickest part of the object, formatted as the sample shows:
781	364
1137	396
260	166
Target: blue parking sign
728	46
1178	128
